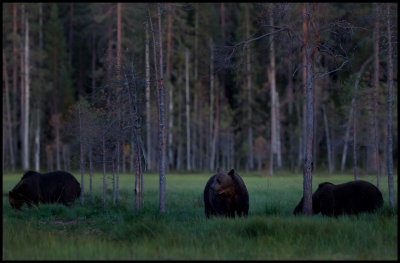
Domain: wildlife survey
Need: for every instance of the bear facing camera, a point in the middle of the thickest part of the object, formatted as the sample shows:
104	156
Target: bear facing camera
226	194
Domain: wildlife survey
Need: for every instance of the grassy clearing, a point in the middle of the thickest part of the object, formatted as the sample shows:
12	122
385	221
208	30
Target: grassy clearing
270	232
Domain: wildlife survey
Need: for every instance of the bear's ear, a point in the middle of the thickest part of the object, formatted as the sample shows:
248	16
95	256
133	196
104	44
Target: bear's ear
220	171
232	172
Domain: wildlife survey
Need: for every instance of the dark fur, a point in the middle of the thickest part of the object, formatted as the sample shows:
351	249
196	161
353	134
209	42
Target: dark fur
349	198
53	187
236	199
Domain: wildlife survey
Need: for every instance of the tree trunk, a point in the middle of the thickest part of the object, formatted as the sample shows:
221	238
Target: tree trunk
25	140
180	129
118	166
375	96
309	102
93	66
328	140
304	82
170	90
278	132
161	111
113	181
39	99
347	134
82	164
71	33
58	146
119	29
275	138
90	174
250	155
148	127
15	81
188	159
212	148
8	126
390	101
104	173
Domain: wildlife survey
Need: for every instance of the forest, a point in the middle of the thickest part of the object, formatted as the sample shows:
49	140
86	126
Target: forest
143	102
192	87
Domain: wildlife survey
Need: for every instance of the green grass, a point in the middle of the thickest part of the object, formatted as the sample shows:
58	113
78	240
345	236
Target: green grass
55	232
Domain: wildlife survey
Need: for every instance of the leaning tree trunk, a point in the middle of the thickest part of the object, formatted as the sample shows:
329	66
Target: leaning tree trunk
348	126
390	102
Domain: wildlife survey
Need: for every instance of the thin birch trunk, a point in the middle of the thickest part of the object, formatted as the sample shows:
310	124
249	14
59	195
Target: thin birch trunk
212	155
93	66
328	140
390	102
180	128
38	106
22	90
161	111
104	173
375	95
81	156
278	132
162	137
188	159
15	80
58	146
90	174
113	181
170	90
25	141
250	154
71	33
119	38
148	123
118	166
354	140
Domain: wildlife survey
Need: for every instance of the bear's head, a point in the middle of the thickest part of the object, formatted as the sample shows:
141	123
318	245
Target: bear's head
322	190
16	196
15	201
223	182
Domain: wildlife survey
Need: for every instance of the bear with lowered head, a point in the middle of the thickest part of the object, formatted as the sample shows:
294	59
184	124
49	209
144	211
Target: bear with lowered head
224	194
348	198
53	187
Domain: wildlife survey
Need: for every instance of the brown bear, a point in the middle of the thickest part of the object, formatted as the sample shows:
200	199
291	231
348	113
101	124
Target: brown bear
349	198
224	194
53	187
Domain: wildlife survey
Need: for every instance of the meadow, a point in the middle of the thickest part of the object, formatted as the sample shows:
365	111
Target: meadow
270	232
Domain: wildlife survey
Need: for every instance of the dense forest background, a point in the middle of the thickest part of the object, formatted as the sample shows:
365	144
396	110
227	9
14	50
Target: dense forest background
234	95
